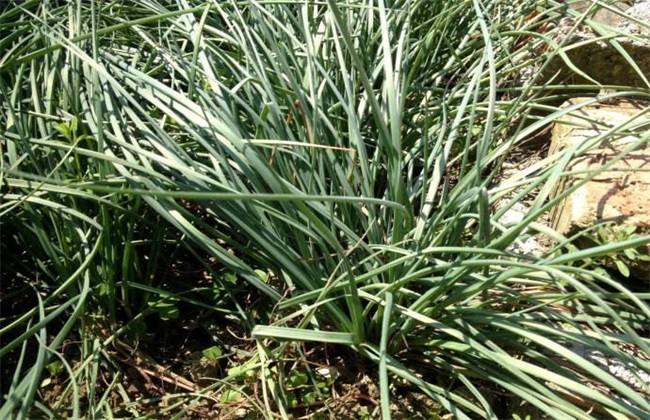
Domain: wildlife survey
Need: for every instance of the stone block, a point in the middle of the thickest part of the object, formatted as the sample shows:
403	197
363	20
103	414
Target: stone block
595	54
619	195
599	13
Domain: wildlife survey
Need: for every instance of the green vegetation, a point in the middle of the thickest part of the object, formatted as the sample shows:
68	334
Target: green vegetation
246	208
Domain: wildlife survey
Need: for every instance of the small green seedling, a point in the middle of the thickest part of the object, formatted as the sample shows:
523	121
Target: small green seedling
608	233
212	353
166	307
230	396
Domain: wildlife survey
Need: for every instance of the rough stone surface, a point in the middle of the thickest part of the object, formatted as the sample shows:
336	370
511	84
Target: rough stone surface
620	195
594	53
599	14
627	372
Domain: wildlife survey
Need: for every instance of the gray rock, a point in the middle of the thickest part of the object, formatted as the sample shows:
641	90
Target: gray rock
623	371
640	22
596	55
